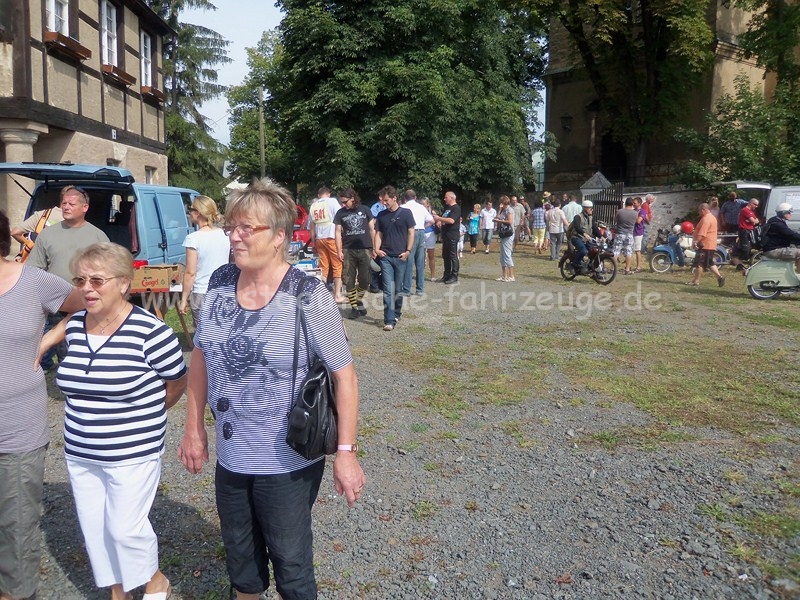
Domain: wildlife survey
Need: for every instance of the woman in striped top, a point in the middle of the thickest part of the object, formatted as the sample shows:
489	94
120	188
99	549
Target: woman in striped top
27	296
242	367
124	368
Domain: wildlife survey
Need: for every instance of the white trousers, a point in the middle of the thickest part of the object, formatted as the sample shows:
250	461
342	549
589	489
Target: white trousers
113	506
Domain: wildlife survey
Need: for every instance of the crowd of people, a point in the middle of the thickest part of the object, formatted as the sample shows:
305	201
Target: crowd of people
121	369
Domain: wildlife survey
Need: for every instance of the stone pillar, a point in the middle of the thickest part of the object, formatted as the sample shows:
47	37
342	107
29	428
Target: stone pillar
19	144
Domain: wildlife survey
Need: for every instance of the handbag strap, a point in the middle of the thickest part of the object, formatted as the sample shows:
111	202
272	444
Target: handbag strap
299	324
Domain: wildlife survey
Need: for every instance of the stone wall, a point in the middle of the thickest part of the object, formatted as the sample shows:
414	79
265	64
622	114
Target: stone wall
670	205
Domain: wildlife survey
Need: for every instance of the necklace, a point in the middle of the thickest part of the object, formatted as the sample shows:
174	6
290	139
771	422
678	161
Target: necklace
103	327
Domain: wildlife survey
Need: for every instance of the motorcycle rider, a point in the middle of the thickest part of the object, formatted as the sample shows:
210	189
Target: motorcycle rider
779	237
582	229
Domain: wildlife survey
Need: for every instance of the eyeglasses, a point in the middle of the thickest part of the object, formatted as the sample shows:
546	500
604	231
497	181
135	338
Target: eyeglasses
245	231
95	282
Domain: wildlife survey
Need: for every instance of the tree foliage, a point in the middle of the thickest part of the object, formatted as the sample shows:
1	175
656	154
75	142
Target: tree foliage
190	75
643	59
245	158
425	93
745	140
751	136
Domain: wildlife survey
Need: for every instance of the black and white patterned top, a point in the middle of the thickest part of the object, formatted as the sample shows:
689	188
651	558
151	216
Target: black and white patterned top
248	356
116	411
23	392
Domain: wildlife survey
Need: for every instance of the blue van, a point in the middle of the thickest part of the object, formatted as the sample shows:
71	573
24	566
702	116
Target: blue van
150	220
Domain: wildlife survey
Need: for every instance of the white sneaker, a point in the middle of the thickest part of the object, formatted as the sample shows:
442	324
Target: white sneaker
388	327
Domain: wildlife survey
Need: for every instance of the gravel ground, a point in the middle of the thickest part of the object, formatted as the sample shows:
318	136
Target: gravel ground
477	499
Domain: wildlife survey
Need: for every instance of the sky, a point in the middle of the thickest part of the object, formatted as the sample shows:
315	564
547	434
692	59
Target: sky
241	22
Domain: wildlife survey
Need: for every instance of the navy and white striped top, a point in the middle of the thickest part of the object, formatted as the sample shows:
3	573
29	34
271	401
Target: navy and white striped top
116	411
248	356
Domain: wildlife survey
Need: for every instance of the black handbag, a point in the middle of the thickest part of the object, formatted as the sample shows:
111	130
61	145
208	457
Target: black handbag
313	430
504	230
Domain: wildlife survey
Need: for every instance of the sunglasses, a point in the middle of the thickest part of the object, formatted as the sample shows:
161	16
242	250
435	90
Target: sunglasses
95	282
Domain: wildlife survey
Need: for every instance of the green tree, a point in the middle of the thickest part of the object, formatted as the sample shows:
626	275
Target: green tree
751	136
643	59
745	140
430	94
190	75
773	38
244	100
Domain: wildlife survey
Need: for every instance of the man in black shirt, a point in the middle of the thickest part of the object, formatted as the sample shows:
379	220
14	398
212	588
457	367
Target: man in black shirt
450	221
394	239
354	232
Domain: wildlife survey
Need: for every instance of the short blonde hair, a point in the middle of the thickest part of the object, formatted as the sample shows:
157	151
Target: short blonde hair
266	201
105	256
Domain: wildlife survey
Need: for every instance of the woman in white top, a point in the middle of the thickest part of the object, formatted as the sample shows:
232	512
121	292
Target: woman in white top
207	249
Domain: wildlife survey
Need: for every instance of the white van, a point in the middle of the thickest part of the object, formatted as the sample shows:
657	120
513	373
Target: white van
770	197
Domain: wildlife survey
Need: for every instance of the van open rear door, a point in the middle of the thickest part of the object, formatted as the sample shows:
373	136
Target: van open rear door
166	226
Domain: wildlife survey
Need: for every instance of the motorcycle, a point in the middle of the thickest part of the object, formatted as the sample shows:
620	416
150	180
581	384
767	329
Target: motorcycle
679	251
771	277
601	266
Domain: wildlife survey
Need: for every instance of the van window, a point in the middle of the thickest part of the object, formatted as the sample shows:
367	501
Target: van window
788	194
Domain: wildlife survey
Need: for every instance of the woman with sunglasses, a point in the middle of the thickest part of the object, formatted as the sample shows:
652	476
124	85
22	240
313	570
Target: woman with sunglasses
27	296
123	369
242	366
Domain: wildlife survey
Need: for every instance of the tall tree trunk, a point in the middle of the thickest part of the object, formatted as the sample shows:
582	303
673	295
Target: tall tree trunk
637	160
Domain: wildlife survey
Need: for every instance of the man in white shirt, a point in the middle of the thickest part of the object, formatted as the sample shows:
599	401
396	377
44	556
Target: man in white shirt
422	218
488	215
571	209
323	234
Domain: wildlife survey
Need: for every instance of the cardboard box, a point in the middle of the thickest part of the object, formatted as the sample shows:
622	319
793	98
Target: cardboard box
156	278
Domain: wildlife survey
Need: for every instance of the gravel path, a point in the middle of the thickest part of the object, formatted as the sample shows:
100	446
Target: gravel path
515	490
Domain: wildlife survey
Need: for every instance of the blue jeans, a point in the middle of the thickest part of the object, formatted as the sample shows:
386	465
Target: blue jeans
268	518
416	260
580	251
393	271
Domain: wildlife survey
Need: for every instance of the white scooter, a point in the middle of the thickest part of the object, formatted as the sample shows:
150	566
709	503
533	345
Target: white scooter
771	277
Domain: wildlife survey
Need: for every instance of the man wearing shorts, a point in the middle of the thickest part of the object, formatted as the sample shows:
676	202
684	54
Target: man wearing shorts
323	234
705	240
623	242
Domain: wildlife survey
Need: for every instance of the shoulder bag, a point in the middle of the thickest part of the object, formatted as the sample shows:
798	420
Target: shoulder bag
312	429
504	230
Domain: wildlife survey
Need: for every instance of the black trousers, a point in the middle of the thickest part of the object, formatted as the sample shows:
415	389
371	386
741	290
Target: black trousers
450	258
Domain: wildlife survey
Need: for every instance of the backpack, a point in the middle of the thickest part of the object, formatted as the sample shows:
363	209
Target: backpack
760	233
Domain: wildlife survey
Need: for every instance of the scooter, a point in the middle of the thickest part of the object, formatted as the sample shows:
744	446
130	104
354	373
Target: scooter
771	277
678	251
602	266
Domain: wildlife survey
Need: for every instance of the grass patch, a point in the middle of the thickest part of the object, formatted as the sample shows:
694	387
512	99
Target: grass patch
779	525
761	392
715	511
516	430
424	510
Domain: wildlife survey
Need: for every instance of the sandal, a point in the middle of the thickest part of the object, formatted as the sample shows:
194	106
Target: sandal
159	595
692	283
627	272
501	279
